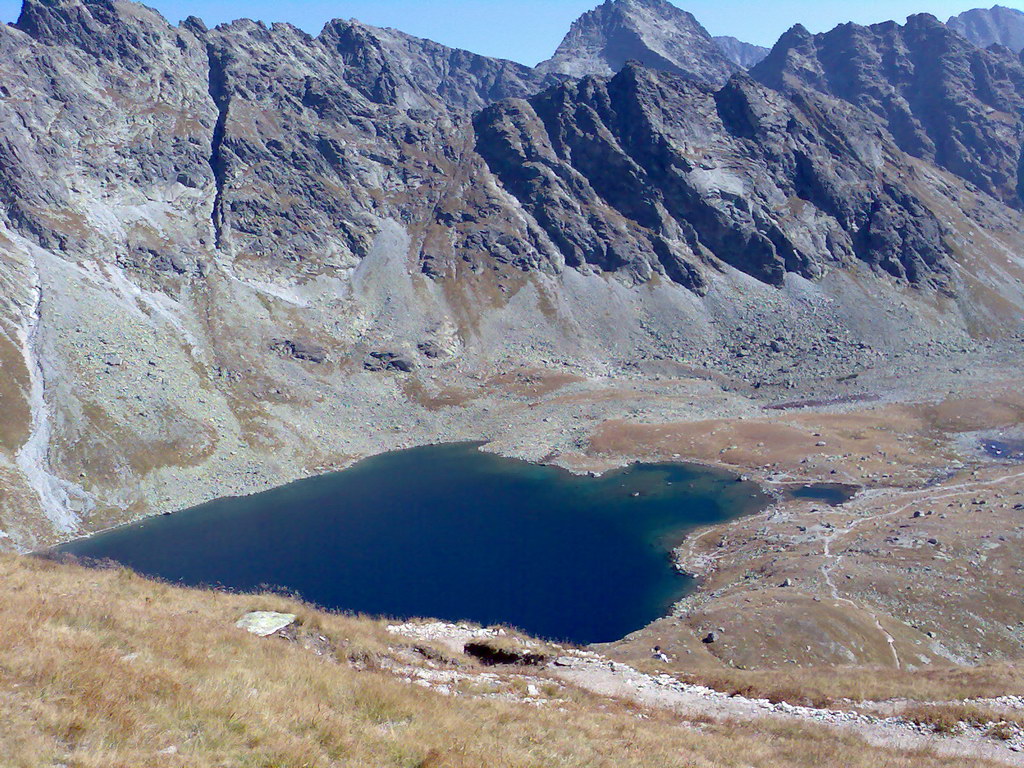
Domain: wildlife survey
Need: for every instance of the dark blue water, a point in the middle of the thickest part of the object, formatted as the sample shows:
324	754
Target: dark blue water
832	494
1004	450
453	533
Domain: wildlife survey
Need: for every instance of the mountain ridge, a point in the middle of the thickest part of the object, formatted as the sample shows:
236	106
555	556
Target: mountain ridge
242	255
990	26
932	89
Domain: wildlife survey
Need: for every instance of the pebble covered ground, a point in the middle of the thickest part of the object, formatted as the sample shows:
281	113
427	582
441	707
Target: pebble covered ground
596	673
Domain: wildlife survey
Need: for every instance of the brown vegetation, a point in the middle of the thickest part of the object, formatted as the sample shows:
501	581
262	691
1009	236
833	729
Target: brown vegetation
948	718
104	668
900	444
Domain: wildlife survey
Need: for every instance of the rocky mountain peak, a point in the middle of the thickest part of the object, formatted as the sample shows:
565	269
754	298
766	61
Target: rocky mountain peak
942	98
195	25
108	28
738	52
922	21
653	32
284	222
797	30
990	26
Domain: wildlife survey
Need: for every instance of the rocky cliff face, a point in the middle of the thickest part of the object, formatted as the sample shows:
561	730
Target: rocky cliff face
654	33
235	256
997	25
651	166
740	53
941	98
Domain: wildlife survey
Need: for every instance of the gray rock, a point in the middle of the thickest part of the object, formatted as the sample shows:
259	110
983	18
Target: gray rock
300	350
997	25
265	623
740	53
431	349
653	33
389	361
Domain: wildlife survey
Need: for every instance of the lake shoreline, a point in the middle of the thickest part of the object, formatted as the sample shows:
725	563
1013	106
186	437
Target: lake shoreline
718	495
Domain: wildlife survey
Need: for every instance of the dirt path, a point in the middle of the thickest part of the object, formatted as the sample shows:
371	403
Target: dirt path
596	674
951	491
606	678
831	561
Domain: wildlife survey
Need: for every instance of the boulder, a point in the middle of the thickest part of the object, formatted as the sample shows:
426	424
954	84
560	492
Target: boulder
299	350
388	361
265	623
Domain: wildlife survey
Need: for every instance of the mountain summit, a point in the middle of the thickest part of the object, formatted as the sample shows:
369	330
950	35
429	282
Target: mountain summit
986	26
739	52
654	33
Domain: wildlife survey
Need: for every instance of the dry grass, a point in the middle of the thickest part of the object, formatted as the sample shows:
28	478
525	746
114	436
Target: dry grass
945	718
14	384
897	440
104	669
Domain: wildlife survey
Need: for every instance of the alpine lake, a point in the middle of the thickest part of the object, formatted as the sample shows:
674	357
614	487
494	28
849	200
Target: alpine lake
450	532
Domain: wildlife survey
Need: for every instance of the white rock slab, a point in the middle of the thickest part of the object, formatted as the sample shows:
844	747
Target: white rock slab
265	623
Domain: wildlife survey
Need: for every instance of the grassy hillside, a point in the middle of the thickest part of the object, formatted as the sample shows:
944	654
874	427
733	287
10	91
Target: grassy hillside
103	669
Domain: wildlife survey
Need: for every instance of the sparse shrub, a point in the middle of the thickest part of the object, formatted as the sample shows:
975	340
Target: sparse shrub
1002	731
940	719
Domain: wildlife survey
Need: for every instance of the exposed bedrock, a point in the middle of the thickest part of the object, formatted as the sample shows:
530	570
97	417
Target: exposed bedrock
232	257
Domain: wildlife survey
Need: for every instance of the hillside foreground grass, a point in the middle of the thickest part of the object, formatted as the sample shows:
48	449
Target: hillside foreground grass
101	668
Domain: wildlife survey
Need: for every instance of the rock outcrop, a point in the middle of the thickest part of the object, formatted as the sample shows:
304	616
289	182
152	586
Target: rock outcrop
650	172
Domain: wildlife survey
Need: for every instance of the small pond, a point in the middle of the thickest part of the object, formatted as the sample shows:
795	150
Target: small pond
832	494
1004	449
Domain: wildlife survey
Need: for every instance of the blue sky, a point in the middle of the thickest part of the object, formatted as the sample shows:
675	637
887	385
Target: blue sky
529	30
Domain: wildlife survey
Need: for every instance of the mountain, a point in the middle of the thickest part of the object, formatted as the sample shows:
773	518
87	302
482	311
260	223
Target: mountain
220	178
654	33
941	98
237	256
990	26
233	257
693	176
743	54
